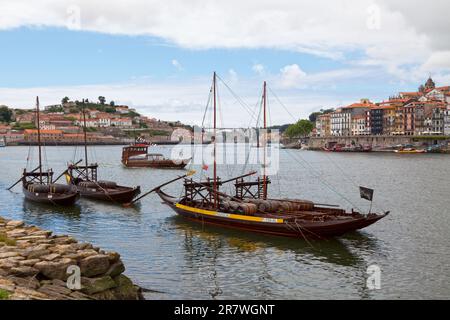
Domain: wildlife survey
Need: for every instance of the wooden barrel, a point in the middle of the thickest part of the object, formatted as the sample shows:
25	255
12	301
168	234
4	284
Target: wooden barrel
88	184
107	184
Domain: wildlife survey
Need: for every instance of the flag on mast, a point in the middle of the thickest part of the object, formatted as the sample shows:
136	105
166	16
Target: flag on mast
366	193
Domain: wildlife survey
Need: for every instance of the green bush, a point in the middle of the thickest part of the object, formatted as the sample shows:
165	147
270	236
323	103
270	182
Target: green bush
4	295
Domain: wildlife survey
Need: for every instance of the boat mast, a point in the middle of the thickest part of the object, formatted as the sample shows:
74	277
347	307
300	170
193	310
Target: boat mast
39	139
215	166
265	141
85	144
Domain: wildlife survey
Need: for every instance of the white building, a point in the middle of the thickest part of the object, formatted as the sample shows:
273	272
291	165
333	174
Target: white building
121	122
340	122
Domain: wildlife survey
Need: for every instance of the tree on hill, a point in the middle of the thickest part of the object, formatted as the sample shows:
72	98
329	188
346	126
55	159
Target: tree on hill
102	99
65	100
5	114
299	129
112	103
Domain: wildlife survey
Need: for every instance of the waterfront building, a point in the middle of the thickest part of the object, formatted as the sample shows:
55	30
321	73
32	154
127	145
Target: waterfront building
409	118
323	126
31	135
388	119
340	122
359	125
447	120
375	116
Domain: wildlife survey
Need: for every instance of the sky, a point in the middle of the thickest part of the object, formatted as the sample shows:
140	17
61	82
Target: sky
159	56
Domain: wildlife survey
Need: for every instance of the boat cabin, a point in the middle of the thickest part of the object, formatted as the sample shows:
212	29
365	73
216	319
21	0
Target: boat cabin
134	150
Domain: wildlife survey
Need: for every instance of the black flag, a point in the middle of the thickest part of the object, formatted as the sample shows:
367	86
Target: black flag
366	193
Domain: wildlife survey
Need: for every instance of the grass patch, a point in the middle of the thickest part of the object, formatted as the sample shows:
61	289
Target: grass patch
6	240
4	295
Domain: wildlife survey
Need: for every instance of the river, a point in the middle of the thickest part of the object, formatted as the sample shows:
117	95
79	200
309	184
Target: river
183	260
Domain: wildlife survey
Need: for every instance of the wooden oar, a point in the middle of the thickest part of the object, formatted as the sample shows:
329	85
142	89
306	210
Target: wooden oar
159	187
65	171
242	176
21	178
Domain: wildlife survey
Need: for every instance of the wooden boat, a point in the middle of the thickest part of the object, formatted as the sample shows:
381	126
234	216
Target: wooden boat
410	150
250	209
38	186
311	221
137	156
84	178
36	189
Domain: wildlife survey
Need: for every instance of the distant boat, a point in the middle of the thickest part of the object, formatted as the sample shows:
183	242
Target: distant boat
410	150
137	156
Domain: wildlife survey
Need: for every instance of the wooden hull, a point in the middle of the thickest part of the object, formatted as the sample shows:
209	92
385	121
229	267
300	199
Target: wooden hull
64	199
278	227
115	195
164	164
410	151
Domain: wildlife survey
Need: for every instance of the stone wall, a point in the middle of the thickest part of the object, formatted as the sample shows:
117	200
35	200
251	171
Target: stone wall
378	141
34	265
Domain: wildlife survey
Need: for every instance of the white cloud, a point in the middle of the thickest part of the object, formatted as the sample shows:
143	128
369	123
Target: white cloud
292	76
258	69
177	64
180	100
389	33
438	61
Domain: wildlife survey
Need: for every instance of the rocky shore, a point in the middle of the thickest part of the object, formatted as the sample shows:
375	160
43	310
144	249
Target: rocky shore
34	264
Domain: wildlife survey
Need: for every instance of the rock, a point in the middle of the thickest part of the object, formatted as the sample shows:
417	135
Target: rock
32	237
79	296
105	295
7	285
64	240
16	233
14	224
29	262
86	253
21	293
34	254
95	285
126	290
94	265
25	282
113	257
82	246
54	269
115	269
55	291
51	256
63	248
24	271
5	255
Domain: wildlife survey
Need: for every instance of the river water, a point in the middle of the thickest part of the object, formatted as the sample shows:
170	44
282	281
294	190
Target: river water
183	260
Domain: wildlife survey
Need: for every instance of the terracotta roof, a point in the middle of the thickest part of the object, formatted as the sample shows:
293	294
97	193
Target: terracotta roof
34	131
359	105
411	93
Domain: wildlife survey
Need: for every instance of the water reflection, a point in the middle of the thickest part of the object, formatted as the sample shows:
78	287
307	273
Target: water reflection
34	210
335	251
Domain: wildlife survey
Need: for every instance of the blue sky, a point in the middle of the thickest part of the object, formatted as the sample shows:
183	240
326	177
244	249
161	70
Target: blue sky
161	63
57	56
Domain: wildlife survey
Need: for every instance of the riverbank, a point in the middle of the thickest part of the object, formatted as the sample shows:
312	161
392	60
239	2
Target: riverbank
36	265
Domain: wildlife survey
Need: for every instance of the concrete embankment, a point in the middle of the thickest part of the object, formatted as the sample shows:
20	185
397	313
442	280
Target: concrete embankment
378	142
34	264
